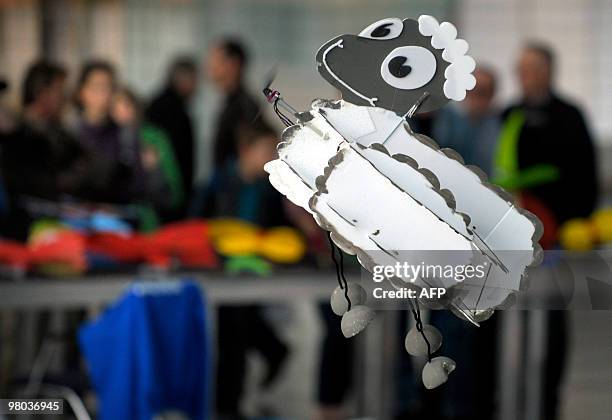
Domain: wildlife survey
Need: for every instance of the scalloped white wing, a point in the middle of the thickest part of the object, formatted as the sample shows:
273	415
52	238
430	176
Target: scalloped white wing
366	209
307	148
288	183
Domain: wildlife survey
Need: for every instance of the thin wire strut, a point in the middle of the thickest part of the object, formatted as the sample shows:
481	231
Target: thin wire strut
339	269
416	313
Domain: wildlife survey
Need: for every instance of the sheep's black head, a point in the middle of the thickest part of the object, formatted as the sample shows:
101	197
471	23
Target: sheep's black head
392	62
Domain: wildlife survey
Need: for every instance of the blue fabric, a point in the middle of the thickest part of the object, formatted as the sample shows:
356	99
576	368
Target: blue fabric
98	222
149	353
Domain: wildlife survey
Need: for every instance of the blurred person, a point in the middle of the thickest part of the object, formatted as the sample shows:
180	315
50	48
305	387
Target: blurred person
163	183
545	147
116	160
241	189
226	64
39	158
472	128
169	111
546	155
7	120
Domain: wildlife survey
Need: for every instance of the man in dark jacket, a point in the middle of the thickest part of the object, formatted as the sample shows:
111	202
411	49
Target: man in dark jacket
226	64
169	111
545	147
546	154
39	159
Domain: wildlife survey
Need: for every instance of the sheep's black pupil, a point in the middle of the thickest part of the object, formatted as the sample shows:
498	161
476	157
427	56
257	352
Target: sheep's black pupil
381	31
398	68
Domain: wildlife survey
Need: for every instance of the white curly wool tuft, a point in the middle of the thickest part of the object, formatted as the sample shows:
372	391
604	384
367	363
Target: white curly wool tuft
458	74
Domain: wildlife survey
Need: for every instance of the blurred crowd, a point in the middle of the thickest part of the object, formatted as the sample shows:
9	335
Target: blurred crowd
102	143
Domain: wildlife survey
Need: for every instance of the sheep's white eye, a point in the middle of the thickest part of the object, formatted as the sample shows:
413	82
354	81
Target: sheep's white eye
383	29
408	67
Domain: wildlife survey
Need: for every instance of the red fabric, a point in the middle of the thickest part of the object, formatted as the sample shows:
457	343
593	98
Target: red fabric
535	206
188	242
14	254
121	248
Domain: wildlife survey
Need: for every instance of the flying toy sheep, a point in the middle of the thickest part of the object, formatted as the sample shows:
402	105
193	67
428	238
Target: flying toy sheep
379	188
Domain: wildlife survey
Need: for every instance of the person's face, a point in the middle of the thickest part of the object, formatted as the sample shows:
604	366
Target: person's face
97	92
534	74
254	156
53	98
186	83
123	110
220	69
480	99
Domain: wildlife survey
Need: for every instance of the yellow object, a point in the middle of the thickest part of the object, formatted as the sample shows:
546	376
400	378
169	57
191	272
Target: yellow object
577	235
233	244
233	238
282	245
602	223
227	226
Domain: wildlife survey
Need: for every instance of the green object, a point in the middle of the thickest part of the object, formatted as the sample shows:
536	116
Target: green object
506	159
251	264
148	221
507	172
154	137
529	177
